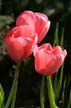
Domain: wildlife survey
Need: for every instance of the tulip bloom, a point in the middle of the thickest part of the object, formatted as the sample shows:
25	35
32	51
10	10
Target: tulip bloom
38	21
47	59
20	42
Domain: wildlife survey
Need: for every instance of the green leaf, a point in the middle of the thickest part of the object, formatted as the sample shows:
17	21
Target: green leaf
56	40
58	89
69	103
62	39
1	96
63	92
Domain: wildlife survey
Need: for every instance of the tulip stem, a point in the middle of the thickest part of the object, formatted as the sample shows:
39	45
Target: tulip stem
14	96
42	92
13	91
51	93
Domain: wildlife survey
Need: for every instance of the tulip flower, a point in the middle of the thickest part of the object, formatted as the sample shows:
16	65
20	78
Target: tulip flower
20	42
47	59
38	21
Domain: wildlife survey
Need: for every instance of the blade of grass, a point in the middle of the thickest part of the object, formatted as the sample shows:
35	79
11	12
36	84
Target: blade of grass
62	39
58	89
69	103
1	96
56	40
64	85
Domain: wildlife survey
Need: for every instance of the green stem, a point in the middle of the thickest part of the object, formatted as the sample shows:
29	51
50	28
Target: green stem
51	93
14	97
13	88
58	88
42	92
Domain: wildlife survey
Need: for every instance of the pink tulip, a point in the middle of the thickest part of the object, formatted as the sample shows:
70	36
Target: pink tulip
20	42
38	21
47	59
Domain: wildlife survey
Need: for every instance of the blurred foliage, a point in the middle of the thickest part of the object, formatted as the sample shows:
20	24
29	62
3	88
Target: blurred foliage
5	20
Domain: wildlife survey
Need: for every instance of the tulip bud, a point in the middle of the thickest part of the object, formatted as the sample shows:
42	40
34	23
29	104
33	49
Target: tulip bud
38	21
47	59
20	42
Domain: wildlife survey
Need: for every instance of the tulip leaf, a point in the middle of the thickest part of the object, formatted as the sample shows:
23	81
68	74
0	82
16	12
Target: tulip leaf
56	40
63	92
62	39
1	96
58	89
69	103
59	82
